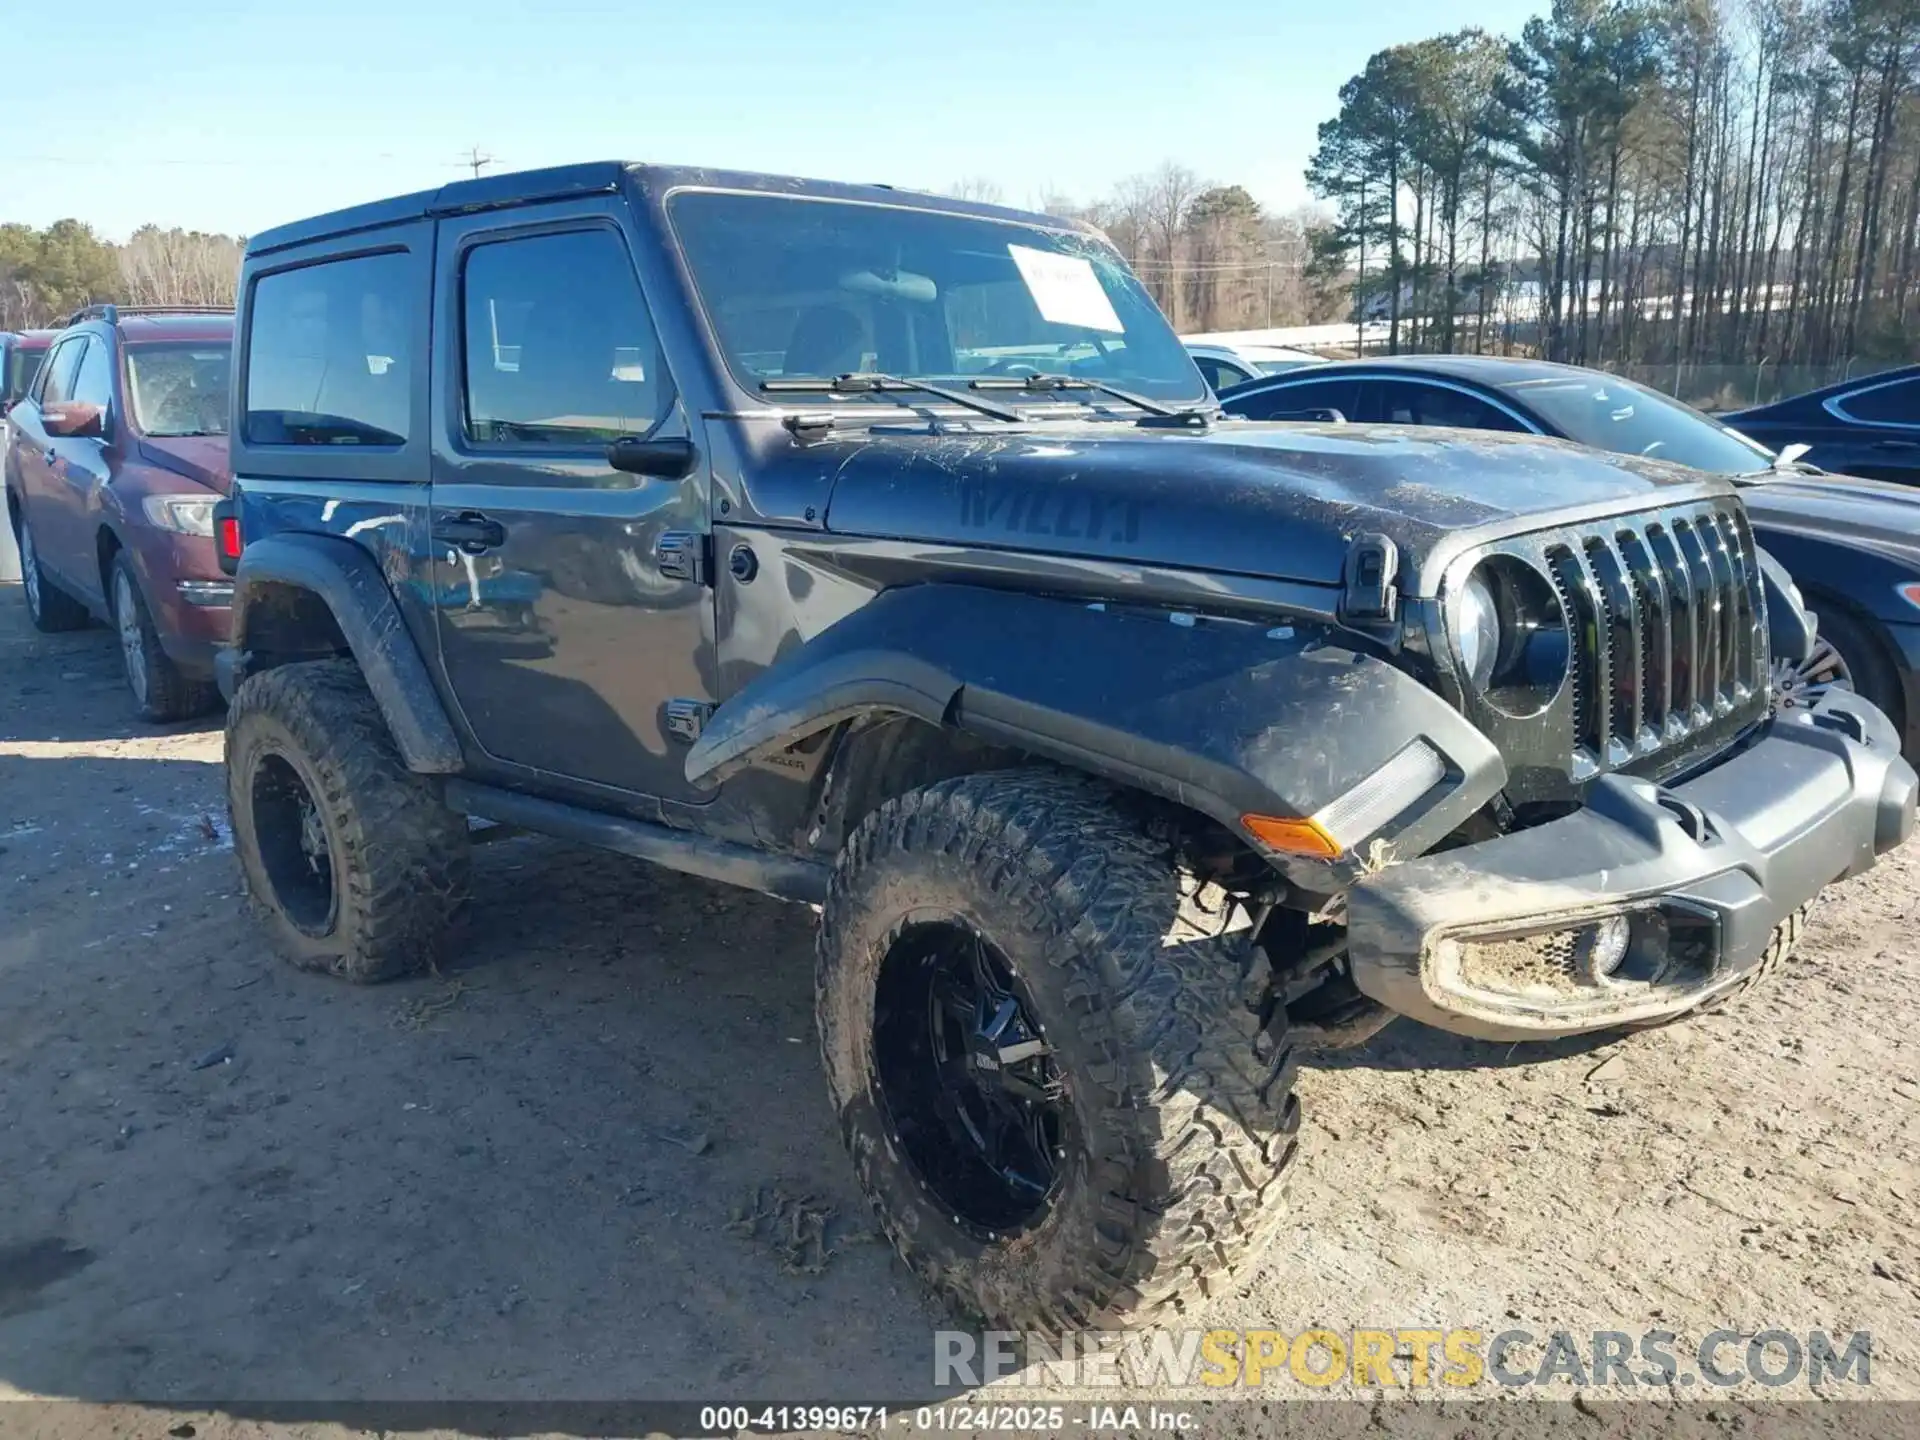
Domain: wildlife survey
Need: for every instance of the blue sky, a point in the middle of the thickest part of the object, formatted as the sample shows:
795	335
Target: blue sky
223	115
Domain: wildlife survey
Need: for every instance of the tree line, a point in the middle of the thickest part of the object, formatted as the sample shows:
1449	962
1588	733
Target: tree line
47	274
1209	253
1638	182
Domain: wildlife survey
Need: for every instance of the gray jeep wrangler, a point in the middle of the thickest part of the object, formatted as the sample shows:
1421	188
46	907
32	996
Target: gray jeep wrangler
887	554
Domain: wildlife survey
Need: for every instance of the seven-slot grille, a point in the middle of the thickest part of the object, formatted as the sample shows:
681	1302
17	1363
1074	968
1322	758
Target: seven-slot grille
1668	626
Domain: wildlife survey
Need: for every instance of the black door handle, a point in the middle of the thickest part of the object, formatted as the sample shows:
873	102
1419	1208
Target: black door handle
469	532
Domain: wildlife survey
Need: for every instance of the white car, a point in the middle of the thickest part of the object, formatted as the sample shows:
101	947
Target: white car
1225	365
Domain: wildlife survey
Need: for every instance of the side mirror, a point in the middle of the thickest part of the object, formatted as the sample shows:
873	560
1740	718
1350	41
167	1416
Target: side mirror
1790	455
75	421
666	459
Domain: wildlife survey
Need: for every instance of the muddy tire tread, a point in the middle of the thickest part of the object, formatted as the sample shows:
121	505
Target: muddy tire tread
402	855
1785	936
1200	1099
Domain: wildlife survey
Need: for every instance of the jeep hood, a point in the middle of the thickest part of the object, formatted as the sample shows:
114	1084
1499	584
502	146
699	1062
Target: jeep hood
1277	501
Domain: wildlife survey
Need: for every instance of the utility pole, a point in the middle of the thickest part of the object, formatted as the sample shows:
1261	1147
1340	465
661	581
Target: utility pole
475	159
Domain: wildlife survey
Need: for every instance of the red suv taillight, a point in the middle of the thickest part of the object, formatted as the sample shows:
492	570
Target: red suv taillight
226	535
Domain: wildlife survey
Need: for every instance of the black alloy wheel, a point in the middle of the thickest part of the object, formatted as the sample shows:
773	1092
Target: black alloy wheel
295	851
971	1088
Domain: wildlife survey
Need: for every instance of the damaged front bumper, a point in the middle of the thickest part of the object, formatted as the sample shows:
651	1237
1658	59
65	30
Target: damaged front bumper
1646	902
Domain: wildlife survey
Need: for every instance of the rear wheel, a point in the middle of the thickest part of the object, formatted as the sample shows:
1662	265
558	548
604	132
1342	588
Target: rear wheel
355	862
160	691
1055	1093
49	607
1869	672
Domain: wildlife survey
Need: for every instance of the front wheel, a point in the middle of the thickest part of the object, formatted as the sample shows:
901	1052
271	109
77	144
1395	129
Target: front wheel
1055	1094
355	862
160	691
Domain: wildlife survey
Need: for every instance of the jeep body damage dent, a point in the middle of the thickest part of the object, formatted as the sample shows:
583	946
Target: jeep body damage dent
1704	873
1222	717
276	618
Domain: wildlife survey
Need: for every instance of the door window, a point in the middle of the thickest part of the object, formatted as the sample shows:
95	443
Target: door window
1894	404
327	359
56	376
93	385
1406	402
1219	373
1294	401
559	347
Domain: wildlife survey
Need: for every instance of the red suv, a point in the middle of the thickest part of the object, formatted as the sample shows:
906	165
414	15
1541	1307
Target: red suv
115	459
20	353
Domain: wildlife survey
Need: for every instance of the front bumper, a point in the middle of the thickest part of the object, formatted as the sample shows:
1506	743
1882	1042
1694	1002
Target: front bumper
1701	872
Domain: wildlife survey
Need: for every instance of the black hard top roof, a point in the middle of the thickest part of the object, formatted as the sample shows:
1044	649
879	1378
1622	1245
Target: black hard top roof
560	182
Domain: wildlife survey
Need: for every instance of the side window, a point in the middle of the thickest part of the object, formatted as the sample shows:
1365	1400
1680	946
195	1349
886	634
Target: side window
1292	400
1219	373
55	382
1895	404
328	362
1406	402
559	347
94	383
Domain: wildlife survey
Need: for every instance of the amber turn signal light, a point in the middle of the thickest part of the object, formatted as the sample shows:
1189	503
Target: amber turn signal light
1298	837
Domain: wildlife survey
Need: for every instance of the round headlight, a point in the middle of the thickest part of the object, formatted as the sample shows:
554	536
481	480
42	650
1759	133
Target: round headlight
1511	636
1477	634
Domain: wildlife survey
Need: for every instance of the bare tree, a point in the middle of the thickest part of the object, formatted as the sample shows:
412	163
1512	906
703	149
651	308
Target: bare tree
977	187
179	267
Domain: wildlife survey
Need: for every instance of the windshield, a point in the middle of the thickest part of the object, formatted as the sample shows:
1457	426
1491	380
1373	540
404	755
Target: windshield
1609	413
1280	367
21	363
179	389
811	288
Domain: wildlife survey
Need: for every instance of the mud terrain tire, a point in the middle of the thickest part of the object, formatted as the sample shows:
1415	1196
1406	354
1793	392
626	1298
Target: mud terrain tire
355	863
1785	936
1180	1117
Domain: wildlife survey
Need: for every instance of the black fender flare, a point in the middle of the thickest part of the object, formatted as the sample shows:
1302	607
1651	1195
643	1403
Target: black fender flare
347	580
1223	717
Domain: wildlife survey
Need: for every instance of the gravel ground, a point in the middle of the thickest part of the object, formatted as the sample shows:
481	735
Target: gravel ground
594	1159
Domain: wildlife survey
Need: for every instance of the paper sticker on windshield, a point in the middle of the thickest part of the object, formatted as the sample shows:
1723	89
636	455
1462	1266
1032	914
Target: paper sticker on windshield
1065	289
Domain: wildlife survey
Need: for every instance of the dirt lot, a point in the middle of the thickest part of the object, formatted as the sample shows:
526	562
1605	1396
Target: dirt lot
536	1175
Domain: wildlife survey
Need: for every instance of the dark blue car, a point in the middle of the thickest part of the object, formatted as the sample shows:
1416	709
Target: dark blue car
1852	545
1869	425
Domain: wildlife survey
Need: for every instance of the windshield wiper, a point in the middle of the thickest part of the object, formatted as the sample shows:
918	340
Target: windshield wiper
867	382
1040	384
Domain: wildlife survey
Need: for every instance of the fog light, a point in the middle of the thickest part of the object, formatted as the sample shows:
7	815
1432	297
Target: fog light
1604	947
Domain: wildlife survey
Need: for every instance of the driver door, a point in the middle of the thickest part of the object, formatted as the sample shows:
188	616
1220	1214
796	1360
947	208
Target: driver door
574	635
77	468
38	459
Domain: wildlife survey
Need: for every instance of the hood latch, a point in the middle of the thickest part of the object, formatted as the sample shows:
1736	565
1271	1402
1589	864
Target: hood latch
1371	590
